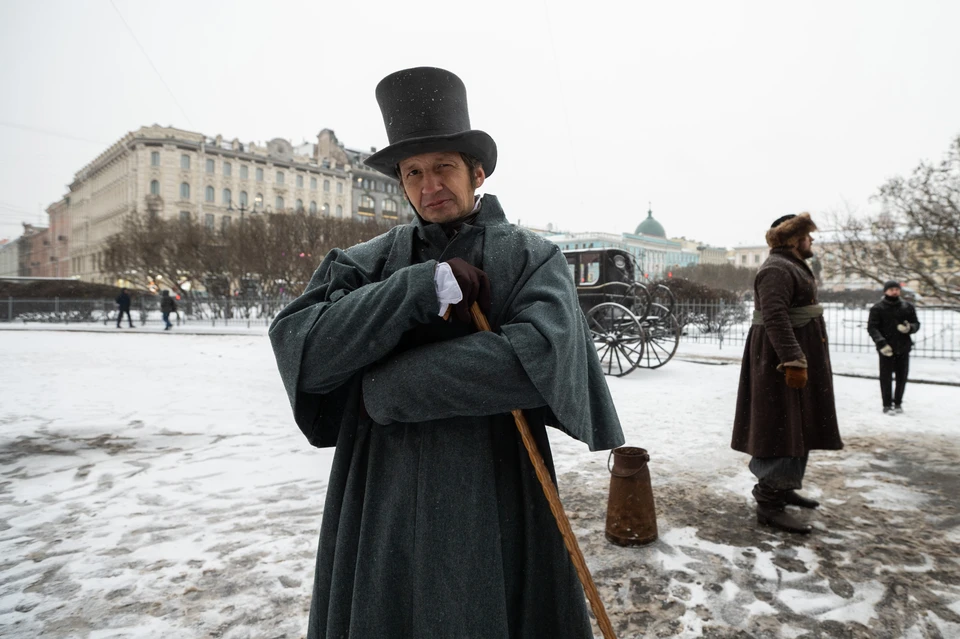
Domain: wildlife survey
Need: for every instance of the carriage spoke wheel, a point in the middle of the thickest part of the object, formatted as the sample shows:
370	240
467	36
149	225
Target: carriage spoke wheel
662	333
617	336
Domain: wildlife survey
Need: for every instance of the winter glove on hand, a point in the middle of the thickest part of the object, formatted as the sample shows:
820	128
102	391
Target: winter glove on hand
904	328
796	376
475	288
886	351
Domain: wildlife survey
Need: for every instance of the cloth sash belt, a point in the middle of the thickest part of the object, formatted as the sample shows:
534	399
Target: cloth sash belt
799	316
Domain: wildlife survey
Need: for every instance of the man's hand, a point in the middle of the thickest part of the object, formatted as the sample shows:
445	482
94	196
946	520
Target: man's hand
904	327
887	350
475	288
796	376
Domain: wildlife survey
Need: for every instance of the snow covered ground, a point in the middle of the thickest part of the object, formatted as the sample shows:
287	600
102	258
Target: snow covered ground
153	485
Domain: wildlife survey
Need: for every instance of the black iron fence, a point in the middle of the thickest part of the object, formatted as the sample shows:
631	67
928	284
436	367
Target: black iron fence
718	323
228	311
725	324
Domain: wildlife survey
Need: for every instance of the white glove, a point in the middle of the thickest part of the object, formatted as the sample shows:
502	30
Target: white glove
448	291
887	351
904	328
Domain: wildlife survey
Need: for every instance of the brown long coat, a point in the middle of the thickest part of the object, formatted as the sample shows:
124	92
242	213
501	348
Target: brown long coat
772	419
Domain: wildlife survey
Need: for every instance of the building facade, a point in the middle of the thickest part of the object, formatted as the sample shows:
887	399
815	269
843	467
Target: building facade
748	256
10	258
655	255
180	174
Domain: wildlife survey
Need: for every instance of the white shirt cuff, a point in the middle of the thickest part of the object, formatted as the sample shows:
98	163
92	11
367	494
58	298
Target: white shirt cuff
448	291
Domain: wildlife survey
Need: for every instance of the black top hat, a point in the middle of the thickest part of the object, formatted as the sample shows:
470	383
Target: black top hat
425	110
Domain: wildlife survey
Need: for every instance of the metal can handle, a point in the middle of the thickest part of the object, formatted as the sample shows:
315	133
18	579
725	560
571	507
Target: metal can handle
610	465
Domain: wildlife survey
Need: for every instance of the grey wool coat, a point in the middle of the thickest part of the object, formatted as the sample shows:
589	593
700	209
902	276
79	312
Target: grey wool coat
772	419
434	523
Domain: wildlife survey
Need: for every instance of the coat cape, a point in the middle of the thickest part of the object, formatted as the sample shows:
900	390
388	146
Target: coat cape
434	523
772	419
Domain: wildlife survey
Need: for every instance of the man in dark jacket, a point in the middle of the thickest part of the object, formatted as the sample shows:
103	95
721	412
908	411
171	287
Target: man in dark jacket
892	321
123	306
785	403
434	523
167	306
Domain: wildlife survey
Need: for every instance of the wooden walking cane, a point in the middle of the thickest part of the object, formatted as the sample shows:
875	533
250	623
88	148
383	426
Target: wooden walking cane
555	506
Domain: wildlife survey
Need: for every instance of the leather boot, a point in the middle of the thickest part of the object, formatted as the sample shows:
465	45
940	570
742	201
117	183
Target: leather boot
793	499
781	519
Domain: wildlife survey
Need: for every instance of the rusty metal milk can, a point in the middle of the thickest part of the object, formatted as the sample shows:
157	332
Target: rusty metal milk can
631	515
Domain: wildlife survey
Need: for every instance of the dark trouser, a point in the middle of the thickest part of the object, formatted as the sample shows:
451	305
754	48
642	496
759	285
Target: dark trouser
899	365
166	320
775	476
120	317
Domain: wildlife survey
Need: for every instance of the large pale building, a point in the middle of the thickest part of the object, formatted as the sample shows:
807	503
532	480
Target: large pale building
180	174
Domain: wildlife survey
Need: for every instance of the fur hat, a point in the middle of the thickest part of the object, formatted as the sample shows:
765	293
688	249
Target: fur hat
785	229
890	284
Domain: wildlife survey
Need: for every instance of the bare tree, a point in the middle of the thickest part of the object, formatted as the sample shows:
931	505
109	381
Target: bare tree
915	237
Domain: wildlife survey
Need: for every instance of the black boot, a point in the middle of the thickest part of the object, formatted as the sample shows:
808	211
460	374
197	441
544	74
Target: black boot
793	499
770	510
781	519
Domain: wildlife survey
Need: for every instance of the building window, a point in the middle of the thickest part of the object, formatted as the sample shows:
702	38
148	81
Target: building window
743	259
227	196
227	169
209	194
299	181
279	177
185	161
154	188
243	198
154	158
756	259
366	184
210	166
259	174
224	223
299	204
390	209
326	186
326	209
339	211
279	203
313	208
184	191
258	201
313	183
244	172
184	216
366	202
208	221
340	187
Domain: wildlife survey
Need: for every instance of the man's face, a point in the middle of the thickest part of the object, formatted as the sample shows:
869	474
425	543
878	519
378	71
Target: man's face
892	292
805	247
439	185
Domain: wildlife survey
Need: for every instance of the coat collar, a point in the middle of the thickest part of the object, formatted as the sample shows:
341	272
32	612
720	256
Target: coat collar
787	252
490	214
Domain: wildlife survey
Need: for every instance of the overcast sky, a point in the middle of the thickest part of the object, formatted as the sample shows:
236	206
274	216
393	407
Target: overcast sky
724	115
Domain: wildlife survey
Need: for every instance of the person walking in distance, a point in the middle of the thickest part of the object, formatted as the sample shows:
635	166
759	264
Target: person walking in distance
785	402
167	305
891	323
434	523
123	306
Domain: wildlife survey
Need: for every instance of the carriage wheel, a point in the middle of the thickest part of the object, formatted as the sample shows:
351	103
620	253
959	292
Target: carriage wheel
617	336
637	299
662	333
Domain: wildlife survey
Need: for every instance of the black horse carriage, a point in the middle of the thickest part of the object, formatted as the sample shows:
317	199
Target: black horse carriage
632	324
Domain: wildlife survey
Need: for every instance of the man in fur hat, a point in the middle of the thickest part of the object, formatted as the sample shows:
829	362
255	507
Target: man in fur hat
892	321
785	405
434	523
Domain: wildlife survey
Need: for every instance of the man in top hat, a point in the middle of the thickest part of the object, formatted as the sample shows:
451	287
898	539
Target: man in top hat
785	405
434	523
891	323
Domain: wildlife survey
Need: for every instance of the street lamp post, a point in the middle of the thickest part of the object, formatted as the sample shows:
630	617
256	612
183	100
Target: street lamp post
242	208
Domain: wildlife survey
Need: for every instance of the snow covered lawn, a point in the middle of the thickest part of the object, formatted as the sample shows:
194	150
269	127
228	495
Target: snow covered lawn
154	485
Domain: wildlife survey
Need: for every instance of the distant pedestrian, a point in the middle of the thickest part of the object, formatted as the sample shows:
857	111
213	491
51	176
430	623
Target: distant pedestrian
785	403
123	306
167	306
892	321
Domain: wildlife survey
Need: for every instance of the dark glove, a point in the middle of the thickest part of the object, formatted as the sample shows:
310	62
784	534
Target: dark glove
796	376
475	287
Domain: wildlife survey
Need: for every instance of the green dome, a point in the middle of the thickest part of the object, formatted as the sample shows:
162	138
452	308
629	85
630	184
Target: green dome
650	227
